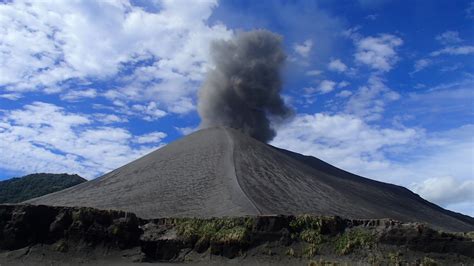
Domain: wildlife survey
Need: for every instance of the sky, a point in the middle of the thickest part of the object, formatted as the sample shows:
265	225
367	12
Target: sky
383	89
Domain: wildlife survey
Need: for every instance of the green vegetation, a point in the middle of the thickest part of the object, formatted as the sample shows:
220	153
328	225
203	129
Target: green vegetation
61	246
31	186
290	252
308	228
306	221
216	230
311	230
310	250
394	257
354	239
427	261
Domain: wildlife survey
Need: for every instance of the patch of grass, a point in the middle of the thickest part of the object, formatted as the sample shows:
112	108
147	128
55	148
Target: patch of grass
61	246
309	229
310	251
429	262
311	236
222	230
394	257
290	252
354	239
306	221
238	234
469	235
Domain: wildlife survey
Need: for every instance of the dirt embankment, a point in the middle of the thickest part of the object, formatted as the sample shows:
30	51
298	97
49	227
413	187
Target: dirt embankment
42	234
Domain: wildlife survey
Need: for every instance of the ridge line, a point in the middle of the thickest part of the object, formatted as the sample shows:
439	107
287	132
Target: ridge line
231	142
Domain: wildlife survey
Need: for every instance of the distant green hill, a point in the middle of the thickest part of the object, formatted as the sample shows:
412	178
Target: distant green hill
31	186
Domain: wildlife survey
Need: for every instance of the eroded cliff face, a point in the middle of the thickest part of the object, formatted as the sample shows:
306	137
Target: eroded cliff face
44	234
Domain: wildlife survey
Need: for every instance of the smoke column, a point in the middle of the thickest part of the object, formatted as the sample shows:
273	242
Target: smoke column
243	90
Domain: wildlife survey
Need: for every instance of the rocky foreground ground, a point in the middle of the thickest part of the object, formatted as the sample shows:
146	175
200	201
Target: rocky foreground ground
68	235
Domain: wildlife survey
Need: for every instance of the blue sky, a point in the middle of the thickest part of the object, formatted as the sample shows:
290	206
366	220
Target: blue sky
384	89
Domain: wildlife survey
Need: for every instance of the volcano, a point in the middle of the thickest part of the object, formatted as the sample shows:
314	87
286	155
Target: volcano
220	172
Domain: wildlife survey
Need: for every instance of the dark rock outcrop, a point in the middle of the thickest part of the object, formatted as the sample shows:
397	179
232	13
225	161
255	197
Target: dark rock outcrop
25	225
293	239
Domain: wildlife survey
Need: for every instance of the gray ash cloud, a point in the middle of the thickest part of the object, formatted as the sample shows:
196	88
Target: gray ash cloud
243	90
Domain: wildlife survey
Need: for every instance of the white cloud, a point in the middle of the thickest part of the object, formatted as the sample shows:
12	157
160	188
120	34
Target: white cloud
379	53
326	86
446	190
186	130
109	118
344	140
369	101
75	95
43	137
449	37
438	166
421	64
466	83
337	65
470	10
372	16
153	137
304	48
450	68
343	84
11	96
454	50
352	33
314	72
344	94
45	44
149	112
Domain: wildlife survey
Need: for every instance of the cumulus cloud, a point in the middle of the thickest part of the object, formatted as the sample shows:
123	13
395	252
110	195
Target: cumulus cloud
314	72
109	118
454	50
149	111
343	84
46	44
11	96
452	46
470	11
449	37
75	95
326	86
42	137
379	53
186	130
344	94
369	101
437	165
421	64
303	49
372	16
153	137
337	65
344	140
446	190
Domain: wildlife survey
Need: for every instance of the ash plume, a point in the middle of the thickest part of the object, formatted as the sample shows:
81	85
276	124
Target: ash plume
243	90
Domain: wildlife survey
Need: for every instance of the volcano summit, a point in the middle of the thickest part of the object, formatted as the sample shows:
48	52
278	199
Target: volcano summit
220	171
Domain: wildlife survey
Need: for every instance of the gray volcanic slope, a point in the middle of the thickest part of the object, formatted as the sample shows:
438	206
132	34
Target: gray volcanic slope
222	172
